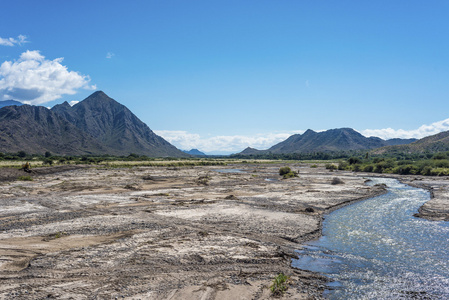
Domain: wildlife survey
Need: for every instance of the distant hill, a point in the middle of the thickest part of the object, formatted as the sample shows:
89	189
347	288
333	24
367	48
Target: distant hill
434	143
9	103
250	151
394	142
342	139
36	129
194	152
116	127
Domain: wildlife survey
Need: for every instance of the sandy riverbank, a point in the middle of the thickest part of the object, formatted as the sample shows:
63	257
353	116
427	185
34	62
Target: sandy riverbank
164	233
437	209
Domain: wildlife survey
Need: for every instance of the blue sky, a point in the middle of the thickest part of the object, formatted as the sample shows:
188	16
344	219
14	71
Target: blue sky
223	75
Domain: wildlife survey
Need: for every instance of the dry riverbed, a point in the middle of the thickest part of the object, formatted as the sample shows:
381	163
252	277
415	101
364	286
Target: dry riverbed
163	233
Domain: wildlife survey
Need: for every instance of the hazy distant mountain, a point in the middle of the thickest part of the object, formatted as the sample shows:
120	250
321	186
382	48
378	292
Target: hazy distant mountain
342	139
250	151
394	142
9	103
36	129
194	152
434	143
115	126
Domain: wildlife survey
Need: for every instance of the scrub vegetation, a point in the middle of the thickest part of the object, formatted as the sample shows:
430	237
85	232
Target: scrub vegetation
424	164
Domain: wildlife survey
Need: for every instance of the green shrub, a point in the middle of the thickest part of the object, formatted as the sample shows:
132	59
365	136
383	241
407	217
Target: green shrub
368	168
354	160
427	170
442	163
25	178
47	161
290	175
279	285
440	172
343	165
357	168
330	167
284	170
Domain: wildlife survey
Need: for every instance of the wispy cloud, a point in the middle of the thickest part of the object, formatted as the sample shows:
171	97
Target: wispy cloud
110	55
34	79
21	39
224	143
71	103
422	131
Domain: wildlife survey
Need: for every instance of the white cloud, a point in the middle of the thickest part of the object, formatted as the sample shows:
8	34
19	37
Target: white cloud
422	131
225	143
71	103
21	39
110	55
236	143
34	79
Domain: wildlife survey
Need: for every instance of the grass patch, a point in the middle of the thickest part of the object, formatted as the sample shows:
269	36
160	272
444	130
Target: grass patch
25	178
279	285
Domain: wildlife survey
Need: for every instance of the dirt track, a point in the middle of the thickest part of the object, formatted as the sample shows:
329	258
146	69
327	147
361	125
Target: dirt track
163	233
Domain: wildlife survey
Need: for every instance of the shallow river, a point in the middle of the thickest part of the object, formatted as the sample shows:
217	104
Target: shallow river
376	249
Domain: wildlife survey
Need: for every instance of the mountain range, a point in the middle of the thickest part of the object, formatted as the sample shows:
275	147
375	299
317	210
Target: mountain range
96	125
100	125
342	139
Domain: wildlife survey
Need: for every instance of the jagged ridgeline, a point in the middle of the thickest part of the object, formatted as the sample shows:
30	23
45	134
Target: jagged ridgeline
96	125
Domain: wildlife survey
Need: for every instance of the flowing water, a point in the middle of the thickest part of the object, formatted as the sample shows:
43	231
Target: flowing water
376	249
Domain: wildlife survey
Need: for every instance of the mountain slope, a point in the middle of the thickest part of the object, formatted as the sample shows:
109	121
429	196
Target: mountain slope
395	142
434	143
36	129
114	125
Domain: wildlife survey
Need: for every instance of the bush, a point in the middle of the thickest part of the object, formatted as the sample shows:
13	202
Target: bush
343	165
427	170
47	161
354	160
368	168
284	170
330	167
440	172
279	285
290	175
337	180
21	154
357	168
439	156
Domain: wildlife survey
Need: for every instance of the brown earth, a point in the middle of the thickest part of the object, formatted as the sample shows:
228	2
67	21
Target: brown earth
164	233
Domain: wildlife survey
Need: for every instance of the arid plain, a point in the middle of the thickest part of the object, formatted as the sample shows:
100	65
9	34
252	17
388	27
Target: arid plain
93	232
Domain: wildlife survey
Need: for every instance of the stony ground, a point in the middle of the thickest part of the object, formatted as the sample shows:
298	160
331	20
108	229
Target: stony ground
163	233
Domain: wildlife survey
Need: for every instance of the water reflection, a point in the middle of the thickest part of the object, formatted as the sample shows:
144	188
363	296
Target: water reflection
376	249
